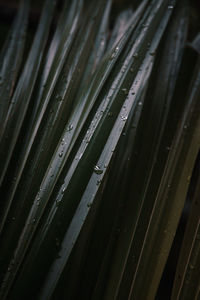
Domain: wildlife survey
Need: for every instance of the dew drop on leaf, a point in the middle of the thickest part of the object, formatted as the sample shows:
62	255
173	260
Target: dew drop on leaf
70	127
98	170
136	55
125	91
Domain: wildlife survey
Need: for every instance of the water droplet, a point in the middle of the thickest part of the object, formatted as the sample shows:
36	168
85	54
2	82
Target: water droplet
140	103
98	170
170	7
114	53
102	42
60	154
58	201
70	127
136	55
63	190
98	182
125	91
124	118
59	98
148	45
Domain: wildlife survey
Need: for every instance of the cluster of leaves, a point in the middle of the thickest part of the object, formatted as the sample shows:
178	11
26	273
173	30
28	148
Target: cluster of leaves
100	131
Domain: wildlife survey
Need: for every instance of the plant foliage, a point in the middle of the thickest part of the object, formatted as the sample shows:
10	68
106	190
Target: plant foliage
99	137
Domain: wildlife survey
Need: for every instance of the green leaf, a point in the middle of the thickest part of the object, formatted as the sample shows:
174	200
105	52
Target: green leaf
24	88
172	192
94	183
99	137
102	124
110	64
22	94
186	283
10	59
119	27
48	136
153	120
51	125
